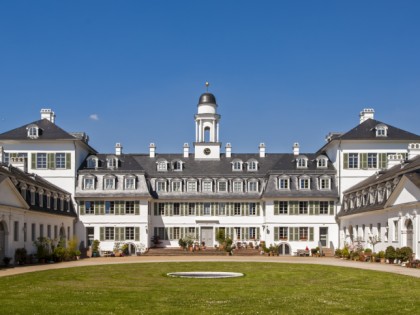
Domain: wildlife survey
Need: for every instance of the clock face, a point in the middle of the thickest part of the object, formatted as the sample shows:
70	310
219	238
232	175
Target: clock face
207	151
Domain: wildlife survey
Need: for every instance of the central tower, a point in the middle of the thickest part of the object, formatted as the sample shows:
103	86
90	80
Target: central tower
207	145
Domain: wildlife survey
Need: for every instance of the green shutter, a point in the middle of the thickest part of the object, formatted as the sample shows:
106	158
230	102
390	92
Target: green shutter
291	236
101	233
213	209
276	233
363	161
82	207
258	205
276	207
137	207
33	161
171	233
101	206
345	160
331	208
382	160
197	235
243	209
311	207
183	209
258	233
68	161
122	207
137	234
51	160
117	234
311	233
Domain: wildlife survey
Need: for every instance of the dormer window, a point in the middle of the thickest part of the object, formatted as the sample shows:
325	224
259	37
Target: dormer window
252	165
222	185
237	165
325	183
301	161
253	185
92	162
130	182
176	185
304	183
162	165
381	130
161	186
284	182
109	182
112	162
207	185
89	182
192	185
177	165
237	185
33	131
322	161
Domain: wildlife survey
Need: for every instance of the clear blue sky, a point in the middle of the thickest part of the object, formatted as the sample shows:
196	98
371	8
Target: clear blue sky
282	71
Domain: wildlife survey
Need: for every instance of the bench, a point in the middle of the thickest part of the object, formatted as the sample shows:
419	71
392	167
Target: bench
302	252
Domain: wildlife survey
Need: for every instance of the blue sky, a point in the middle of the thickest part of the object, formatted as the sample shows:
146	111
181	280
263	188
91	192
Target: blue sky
282	71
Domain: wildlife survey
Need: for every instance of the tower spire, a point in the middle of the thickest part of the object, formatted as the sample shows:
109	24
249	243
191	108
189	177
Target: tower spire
207	86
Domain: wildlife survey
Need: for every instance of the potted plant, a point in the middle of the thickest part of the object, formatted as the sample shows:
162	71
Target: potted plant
20	256
43	249
338	253
78	253
95	248
404	254
381	256
390	254
6	261
314	251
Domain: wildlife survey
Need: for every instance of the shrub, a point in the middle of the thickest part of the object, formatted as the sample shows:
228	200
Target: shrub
381	254
404	253
368	251
338	252
390	252
345	252
43	247
20	256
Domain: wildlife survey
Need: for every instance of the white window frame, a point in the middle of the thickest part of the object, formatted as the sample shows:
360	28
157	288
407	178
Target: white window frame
88	183
92	162
304	183
41	161
322	163
109	183
33	132
192	186
325	183
222	182
353	160
162	166
176	186
177	166
252	165
302	162
237	165
60	160
253	186
160	186
237	186
129	183
284	183
207	186
130	233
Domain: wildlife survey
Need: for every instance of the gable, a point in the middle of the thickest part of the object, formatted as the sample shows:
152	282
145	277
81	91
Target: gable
405	192
9	195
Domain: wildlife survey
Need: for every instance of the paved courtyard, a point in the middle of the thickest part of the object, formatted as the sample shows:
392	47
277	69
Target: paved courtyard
150	259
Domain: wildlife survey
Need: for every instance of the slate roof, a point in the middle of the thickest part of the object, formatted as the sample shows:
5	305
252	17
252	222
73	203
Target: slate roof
127	163
367	131
38	182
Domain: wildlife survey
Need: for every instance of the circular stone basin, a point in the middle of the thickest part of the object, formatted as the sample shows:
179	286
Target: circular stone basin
205	274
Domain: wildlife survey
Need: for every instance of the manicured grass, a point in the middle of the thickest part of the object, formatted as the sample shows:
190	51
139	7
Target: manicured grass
267	288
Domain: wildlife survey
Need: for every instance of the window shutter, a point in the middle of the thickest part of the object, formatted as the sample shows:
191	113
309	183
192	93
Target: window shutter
197	235
82	207
331	208
122	207
171	209
296	233
213	209
68	161
243	208
171	233
258	233
183	209
201	206
291	235
311	233
137	234
101	206
155	211
276	208
117	234
33	161
363	160
276	233
382	160
51	161
101	233
258	208
137	207
242	233
311	207
345	160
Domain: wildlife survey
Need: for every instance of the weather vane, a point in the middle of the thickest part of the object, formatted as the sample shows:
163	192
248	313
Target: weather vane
207	86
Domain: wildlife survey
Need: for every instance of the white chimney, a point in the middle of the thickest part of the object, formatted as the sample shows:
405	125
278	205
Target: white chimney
118	148
413	150
152	150
394	159
47	113
295	149
366	113
186	150
262	149
228	150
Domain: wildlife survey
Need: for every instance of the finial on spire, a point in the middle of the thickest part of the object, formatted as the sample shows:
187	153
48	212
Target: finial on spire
207	86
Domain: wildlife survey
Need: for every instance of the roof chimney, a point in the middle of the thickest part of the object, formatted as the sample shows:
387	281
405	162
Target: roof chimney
295	149
186	150
152	150
413	150
118	148
394	159
366	113
47	113
228	150
262	149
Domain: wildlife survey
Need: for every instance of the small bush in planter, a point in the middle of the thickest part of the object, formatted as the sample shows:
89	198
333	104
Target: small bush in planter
404	253
6	261
20	256
338	252
368	251
390	253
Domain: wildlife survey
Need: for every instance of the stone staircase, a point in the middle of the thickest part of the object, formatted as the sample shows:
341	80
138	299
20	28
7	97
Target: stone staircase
328	252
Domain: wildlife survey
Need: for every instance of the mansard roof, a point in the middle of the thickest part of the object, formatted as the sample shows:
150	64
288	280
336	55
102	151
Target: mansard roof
127	163
18	177
367	131
49	131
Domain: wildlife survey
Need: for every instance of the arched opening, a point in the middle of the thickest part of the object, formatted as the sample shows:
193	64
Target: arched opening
284	249
409	228
207	134
62	235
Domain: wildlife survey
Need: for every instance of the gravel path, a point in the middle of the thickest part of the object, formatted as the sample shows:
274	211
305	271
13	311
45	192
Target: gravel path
155	259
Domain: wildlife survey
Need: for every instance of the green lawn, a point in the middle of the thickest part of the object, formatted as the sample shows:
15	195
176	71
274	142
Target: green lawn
267	288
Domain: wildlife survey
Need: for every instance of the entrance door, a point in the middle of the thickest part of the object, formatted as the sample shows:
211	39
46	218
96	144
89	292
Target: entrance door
284	249
90	236
2	241
323	236
410	239
207	236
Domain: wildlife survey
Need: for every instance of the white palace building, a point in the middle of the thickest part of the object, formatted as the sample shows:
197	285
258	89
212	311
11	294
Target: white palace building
361	184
